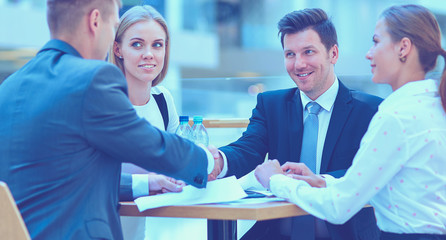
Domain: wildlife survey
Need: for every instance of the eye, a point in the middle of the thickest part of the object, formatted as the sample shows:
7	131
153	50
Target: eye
136	44
157	44
308	52
289	54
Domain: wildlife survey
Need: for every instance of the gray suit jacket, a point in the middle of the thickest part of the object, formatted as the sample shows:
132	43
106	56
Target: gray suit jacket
65	126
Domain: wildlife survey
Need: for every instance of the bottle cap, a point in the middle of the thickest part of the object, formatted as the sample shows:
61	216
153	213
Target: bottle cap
198	118
184	118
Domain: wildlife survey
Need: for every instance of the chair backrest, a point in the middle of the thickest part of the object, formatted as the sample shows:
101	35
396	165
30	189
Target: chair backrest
224	123
223	131
11	222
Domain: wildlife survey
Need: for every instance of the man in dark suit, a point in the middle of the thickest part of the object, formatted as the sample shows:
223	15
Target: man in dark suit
277	125
66	124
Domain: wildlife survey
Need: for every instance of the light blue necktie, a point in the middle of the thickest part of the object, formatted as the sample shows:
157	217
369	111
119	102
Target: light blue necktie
309	140
303	227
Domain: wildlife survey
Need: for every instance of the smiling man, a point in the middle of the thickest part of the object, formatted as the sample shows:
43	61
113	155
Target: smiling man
334	130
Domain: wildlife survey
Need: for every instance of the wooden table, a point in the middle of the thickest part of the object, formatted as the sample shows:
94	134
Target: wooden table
222	218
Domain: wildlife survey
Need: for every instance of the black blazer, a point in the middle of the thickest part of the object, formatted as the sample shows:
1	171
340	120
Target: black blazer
276	128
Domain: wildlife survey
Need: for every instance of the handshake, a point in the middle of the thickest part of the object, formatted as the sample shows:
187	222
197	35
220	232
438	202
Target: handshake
264	171
218	163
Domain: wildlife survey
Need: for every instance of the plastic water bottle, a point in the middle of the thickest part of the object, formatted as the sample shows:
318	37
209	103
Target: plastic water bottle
184	130
199	133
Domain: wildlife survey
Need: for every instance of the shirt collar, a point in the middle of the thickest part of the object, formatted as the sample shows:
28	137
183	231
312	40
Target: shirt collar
61	46
411	89
326	100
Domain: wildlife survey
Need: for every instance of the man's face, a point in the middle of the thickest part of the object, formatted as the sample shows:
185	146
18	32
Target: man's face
106	34
308	62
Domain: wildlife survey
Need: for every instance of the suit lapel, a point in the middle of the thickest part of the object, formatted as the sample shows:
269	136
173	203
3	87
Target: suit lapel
295	121
341	109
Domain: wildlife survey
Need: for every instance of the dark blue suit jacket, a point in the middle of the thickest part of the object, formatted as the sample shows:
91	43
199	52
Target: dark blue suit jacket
66	125
276	128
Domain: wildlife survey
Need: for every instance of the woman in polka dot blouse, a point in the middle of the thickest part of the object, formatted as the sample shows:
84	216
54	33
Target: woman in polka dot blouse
400	168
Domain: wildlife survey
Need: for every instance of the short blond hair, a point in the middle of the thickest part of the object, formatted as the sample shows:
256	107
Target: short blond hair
65	15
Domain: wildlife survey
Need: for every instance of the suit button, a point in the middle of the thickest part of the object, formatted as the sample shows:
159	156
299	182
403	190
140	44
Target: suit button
198	179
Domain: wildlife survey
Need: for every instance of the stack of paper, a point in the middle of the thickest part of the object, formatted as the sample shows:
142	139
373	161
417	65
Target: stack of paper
221	190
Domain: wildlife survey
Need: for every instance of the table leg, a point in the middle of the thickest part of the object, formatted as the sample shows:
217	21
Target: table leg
222	229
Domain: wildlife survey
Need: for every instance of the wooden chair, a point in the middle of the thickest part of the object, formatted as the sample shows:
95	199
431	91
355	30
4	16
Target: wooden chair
224	123
224	130
11	222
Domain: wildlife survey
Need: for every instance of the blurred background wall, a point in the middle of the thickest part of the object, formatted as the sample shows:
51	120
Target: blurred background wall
223	52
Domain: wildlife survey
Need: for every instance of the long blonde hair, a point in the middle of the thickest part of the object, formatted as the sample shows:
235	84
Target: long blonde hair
134	15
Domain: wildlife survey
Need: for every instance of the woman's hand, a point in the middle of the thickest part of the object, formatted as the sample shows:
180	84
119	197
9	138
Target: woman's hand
301	172
161	184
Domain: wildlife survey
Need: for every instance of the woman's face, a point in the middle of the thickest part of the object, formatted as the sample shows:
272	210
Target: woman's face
142	48
384	56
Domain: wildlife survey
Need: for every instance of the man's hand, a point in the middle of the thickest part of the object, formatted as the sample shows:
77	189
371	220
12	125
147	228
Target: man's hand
218	163
301	172
161	184
264	172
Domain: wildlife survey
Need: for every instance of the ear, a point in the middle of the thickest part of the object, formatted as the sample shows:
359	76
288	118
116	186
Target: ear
93	21
404	47
117	49
333	54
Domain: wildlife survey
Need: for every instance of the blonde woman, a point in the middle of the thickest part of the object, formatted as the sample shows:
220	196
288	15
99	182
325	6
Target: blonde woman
141	51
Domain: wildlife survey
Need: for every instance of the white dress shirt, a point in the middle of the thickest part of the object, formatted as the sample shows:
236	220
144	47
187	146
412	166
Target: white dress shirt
151	112
156	227
400	168
326	101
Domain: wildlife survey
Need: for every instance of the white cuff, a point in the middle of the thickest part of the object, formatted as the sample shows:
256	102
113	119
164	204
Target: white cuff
211	160
140	185
249	181
225	165
283	186
328	179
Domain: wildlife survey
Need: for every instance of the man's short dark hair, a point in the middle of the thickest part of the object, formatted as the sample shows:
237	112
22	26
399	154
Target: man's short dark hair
309	18
65	15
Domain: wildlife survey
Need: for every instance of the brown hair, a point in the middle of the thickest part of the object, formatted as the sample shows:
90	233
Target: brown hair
132	16
419	25
65	15
309	18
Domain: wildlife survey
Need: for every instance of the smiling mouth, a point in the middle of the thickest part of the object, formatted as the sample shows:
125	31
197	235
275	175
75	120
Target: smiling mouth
303	74
147	66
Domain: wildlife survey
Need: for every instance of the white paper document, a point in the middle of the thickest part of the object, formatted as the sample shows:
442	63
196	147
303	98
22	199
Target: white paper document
221	190
255	200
